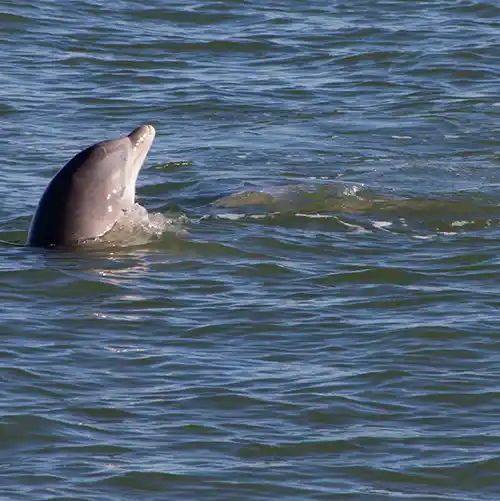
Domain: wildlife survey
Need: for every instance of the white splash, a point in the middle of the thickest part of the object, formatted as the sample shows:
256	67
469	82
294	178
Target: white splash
316	216
232	217
382	225
460	223
138	227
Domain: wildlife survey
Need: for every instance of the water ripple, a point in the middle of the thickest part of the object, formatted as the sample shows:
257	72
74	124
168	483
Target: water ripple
334	343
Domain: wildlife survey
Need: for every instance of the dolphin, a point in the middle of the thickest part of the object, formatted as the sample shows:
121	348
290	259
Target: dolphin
91	192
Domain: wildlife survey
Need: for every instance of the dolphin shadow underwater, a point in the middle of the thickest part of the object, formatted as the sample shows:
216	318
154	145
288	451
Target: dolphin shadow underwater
92	192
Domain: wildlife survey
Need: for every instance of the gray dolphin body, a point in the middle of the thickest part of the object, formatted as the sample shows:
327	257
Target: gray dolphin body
91	192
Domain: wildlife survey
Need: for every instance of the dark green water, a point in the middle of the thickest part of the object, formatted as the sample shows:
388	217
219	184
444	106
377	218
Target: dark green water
329	344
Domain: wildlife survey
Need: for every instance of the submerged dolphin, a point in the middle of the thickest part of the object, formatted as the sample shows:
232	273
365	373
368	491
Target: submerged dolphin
90	193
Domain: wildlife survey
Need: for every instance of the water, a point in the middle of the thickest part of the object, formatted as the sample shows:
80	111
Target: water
343	350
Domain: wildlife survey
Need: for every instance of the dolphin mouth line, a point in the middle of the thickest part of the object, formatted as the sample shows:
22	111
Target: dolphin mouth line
148	133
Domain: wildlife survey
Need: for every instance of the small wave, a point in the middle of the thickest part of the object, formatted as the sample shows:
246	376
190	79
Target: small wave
304	197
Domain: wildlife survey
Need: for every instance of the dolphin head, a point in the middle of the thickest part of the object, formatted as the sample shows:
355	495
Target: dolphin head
91	192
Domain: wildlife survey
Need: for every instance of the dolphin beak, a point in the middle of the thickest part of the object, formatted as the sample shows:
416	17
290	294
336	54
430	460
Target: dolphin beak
141	140
144	134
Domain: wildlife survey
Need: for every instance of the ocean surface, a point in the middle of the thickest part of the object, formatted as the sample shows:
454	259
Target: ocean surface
321	321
